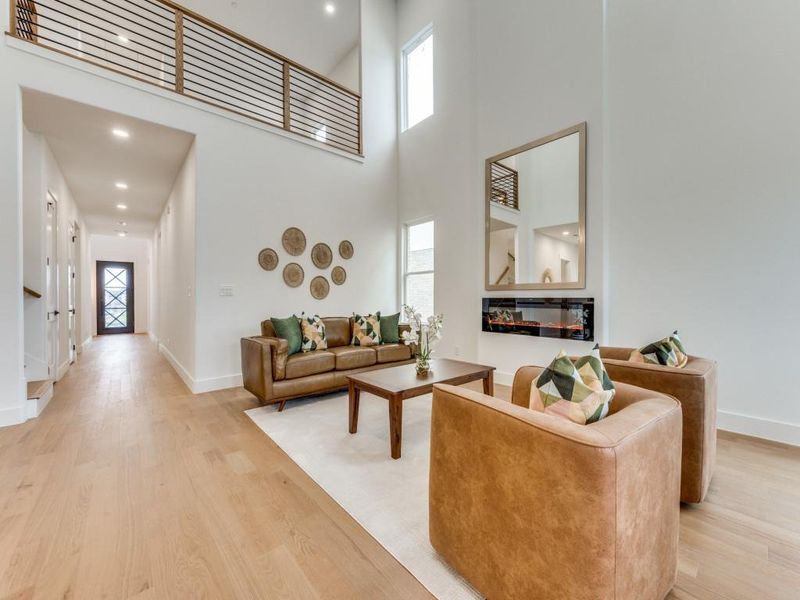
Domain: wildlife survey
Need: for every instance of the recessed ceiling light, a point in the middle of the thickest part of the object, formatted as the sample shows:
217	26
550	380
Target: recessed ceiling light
122	206
330	8
121	133
122	233
121	185
123	39
565	233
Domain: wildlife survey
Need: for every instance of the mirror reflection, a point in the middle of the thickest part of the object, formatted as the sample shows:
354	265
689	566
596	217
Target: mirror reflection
535	214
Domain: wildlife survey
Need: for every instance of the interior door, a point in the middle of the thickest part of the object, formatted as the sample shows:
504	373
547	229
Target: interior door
51	284
72	283
114	297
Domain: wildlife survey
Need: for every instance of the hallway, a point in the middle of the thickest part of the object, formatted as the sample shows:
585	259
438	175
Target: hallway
130	486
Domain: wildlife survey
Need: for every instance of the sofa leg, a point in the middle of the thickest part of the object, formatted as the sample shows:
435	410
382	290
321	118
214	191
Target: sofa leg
281	405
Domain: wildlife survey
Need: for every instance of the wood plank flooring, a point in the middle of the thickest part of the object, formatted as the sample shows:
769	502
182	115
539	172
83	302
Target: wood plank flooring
129	486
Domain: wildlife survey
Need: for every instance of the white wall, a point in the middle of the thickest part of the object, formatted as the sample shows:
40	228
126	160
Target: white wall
251	184
704	188
494	92
135	250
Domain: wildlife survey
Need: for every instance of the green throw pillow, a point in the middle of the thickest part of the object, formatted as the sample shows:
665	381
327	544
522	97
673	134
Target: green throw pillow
390	329
668	352
289	329
580	391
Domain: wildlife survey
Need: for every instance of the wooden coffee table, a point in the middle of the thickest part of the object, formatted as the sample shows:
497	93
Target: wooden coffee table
400	383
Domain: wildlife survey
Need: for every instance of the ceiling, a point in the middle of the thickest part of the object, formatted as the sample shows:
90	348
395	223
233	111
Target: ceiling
567	232
301	30
93	160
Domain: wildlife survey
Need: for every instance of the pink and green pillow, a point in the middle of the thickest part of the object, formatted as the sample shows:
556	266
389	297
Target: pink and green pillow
668	352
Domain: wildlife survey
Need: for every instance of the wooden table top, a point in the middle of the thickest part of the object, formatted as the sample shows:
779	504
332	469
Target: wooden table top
405	379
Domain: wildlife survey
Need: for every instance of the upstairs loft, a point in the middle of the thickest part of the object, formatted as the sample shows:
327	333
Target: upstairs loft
164	44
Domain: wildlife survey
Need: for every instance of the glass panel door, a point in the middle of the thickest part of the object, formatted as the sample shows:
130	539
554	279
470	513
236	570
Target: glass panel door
114	297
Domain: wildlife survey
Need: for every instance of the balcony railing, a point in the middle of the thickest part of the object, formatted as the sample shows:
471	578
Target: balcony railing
164	44
505	186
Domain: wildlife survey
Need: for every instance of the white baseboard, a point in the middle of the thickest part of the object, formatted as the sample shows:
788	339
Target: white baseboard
200	386
62	370
84	343
152	336
35	407
503	378
13	415
777	431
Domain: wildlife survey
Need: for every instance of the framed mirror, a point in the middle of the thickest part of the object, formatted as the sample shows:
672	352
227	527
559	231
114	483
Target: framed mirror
536	214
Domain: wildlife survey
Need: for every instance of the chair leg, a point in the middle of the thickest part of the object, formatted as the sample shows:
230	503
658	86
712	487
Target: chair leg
282	404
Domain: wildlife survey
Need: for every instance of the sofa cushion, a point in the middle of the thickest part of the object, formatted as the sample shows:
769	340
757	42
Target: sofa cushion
309	363
390	329
289	330
668	352
353	357
314	336
580	391
338	330
392	352
366	329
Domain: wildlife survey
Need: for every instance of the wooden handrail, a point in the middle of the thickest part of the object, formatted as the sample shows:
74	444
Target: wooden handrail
164	43
30	292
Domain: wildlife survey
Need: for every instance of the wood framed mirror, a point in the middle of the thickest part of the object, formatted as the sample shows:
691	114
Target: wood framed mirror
536	214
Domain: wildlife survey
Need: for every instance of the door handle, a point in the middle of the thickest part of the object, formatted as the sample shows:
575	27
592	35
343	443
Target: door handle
72	311
56	313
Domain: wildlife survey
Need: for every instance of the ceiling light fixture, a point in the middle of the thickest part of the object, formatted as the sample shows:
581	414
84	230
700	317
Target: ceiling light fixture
122	233
121	133
122	206
122	223
121	185
565	233
330	8
122	39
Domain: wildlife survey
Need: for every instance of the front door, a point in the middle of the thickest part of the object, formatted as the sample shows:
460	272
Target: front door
114	297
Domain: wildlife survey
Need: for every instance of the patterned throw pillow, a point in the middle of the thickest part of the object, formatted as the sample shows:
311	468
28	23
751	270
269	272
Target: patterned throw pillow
668	352
366	329
580	391
314	337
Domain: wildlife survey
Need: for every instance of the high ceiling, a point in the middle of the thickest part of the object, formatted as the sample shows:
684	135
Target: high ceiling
302	30
93	160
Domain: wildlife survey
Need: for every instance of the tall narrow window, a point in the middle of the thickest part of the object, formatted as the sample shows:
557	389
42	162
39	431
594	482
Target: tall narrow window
417	70
418	267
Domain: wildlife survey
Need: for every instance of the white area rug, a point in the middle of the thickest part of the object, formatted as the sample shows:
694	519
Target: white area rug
389	498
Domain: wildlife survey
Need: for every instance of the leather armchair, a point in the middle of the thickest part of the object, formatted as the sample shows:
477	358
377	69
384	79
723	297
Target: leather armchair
695	386
529	505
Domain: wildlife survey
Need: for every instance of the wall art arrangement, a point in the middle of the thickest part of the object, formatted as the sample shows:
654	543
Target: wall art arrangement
294	243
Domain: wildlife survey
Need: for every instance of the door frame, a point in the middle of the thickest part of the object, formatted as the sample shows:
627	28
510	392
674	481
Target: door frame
52	325
100	289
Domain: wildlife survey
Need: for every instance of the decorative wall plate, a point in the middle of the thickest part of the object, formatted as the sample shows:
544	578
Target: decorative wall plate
294	241
293	275
321	255
320	287
346	249
268	259
338	275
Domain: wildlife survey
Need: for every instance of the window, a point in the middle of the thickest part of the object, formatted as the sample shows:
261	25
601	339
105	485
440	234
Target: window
418	267
417	79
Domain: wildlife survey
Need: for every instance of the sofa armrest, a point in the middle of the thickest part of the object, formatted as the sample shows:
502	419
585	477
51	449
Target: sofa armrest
257	367
522	493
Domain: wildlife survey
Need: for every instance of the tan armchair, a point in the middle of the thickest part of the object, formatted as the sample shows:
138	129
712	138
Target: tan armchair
695	386
528	505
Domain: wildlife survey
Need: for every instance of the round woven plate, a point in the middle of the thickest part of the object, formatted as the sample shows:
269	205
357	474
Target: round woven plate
268	259
293	275
346	249
320	287
321	255
294	241
338	275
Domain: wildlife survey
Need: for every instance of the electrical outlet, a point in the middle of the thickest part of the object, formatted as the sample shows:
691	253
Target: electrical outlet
457	350
226	290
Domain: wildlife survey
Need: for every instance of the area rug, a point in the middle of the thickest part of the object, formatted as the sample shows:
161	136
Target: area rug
389	498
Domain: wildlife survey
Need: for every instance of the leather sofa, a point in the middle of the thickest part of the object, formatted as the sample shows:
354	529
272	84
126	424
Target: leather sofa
695	386
528	505
273	376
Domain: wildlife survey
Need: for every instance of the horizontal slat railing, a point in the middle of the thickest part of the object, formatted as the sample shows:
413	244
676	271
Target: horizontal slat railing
160	42
505	186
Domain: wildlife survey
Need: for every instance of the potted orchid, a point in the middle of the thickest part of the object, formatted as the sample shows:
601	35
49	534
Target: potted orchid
423	333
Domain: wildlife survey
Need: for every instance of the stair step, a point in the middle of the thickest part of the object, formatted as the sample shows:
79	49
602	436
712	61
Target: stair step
37	389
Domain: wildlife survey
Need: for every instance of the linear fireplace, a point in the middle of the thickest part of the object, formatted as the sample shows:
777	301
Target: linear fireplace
566	318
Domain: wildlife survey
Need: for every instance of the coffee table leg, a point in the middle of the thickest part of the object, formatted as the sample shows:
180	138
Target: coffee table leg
396	425
488	384
355	396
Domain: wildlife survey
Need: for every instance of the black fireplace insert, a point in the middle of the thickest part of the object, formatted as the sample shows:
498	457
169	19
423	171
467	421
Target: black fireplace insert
565	318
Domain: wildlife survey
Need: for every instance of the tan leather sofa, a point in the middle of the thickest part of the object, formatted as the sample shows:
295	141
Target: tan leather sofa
274	377
527	505
695	386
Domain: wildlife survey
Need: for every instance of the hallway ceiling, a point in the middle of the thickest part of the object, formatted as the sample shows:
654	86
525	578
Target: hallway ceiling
93	160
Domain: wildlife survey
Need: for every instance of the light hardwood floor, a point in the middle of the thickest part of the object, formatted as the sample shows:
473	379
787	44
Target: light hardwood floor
128	486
